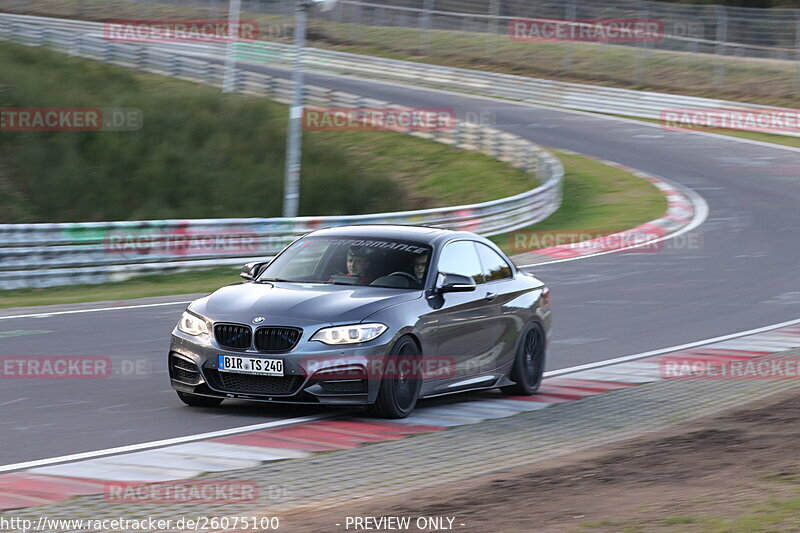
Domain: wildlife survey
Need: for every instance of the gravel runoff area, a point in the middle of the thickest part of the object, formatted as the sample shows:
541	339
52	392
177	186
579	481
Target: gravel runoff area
357	476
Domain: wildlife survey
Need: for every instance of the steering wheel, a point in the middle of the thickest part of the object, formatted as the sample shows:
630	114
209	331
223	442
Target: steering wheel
406	275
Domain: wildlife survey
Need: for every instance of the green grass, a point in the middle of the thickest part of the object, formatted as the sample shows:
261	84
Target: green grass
595	196
768	516
754	80
677	520
772	515
598	199
202	155
199	281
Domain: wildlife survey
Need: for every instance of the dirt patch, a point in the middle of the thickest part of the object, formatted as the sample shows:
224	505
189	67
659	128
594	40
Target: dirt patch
675	480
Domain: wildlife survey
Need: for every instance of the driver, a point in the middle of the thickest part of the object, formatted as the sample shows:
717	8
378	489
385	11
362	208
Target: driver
420	264
358	264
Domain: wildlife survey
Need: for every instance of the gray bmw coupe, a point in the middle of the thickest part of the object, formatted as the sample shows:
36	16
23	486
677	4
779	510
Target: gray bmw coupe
366	315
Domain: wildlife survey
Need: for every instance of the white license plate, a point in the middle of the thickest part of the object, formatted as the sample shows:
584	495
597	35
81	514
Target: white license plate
250	365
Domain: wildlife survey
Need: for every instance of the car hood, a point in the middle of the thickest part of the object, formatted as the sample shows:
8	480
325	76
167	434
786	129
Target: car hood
282	303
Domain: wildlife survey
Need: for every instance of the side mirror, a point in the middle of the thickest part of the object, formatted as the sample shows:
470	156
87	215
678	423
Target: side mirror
251	271
454	283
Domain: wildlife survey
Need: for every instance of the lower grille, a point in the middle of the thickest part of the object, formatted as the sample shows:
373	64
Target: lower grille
248	384
183	370
358	386
185	375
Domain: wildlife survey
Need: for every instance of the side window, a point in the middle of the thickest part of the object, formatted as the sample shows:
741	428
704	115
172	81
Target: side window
494	266
460	257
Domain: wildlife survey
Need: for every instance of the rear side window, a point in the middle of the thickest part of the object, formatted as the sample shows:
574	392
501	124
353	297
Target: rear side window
494	266
461	258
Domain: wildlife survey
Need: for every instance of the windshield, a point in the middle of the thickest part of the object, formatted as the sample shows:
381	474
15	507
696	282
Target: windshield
352	261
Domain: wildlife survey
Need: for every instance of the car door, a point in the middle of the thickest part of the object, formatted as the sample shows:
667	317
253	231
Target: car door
462	318
504	326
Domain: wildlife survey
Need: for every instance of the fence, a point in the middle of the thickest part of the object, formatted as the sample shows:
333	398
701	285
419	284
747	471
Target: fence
39	255
641	104
700	47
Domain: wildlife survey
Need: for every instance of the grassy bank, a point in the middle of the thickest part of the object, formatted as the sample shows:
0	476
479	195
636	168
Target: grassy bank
598	200
597	197
200	154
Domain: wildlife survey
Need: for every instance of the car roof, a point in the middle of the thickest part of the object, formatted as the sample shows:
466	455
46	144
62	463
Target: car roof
386	231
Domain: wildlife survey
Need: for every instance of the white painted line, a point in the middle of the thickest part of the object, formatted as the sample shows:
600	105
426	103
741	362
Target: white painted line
93	310
166	442
597	375
9	402
418	417
662	351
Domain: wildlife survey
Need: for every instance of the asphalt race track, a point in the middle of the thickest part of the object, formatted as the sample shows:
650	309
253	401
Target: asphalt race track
741	273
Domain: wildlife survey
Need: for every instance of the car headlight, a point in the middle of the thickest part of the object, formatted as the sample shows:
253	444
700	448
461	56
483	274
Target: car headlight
192	324
349	334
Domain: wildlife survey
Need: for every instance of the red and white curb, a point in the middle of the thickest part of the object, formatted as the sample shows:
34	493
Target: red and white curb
685	211
46	484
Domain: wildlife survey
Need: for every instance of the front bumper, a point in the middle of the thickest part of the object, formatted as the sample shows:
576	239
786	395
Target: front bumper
314	373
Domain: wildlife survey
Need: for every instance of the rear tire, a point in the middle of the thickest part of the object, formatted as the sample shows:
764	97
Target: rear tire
198	401
529	363
399	390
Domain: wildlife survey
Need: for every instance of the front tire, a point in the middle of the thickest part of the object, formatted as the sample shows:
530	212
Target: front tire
400	385
528	365
198	401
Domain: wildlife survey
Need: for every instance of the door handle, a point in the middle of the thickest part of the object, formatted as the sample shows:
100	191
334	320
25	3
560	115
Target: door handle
490	296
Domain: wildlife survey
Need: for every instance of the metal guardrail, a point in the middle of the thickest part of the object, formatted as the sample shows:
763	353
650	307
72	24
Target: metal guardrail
106	251
582	97
722	38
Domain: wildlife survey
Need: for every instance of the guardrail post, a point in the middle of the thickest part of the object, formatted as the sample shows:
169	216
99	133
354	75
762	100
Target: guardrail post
173	67
494	14
570	13
498	144
379	16
458	135
355	24
425	26
229	83
141	57
530	159
722	32
641	46
108	55
797	51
